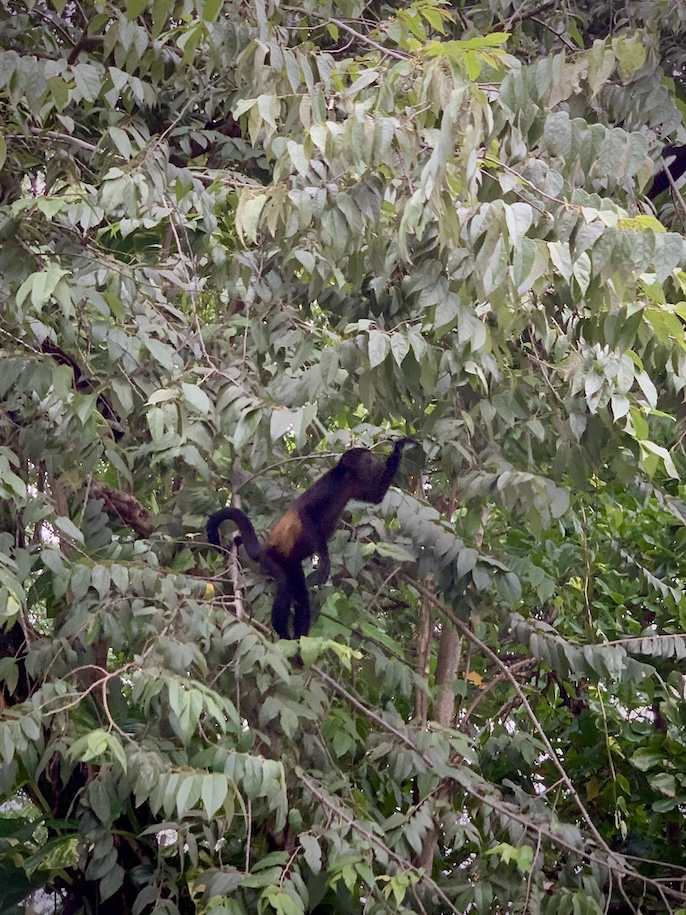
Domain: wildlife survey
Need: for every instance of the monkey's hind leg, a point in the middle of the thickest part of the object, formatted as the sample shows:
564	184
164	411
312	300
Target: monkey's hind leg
301	599
281	608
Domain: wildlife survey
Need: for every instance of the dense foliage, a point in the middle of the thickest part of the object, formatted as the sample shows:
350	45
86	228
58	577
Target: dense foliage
235	240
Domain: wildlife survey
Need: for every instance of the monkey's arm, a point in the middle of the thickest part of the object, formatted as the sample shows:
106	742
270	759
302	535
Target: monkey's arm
378	488
317	544
324	567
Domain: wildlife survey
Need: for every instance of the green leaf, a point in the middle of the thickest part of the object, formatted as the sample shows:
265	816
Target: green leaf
310	649
400	347
268	107
379	347
189	41
161	352
250	208
67	526
197	398
188	790
662	453
390	551
447	311
56	853
560	255
667	805
518	218
645	758
210	10
466	561
215	788
40	286
122	141
95	745
246	426
134	8
88	80
312	852
664	782
111	881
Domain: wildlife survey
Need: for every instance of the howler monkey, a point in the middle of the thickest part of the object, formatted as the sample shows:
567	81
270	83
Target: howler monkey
306	526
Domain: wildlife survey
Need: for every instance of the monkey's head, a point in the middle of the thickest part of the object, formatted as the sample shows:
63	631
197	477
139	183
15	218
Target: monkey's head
360	471
358	460
355	460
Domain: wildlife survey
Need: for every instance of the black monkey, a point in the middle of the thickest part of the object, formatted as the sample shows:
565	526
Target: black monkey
306	526
674	157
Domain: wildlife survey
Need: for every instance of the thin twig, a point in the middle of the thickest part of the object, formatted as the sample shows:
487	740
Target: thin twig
398	55
565	41
520	17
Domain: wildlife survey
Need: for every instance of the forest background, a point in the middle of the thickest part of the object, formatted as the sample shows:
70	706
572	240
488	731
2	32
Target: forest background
235	240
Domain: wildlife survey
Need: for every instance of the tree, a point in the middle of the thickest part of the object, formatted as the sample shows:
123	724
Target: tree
236	240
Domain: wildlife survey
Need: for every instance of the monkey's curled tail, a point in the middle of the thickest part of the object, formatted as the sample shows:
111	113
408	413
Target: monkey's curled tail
252	545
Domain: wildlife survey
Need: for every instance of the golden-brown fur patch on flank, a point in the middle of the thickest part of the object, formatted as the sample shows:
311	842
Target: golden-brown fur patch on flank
285	534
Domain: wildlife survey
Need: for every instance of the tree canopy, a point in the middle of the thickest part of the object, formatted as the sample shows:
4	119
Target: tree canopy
237	239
